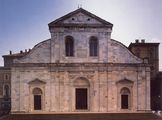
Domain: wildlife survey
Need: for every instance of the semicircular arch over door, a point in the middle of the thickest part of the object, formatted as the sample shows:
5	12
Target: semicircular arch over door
125	98
81	94
37	95
125	95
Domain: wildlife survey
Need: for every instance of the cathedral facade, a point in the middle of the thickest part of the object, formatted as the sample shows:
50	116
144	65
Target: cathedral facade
80	69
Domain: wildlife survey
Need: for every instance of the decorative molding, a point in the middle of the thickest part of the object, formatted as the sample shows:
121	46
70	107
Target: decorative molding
124	81
87	75
37	81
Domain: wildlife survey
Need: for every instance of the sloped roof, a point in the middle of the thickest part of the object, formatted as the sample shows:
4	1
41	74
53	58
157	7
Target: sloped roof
142	44
58	22
16	54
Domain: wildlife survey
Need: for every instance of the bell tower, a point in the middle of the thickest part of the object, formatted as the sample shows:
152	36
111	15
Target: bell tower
149	52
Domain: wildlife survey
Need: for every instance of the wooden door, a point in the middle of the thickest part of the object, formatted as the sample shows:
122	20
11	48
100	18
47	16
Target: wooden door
124	101
81	98
37	102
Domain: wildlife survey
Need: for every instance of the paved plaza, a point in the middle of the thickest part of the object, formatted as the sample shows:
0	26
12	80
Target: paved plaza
86	116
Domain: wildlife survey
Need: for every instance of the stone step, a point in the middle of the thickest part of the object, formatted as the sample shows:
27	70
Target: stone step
89	116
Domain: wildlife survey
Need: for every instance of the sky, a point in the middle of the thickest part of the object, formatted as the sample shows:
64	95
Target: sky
24	23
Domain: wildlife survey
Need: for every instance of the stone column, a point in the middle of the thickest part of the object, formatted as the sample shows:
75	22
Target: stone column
148	88
103	91
95	101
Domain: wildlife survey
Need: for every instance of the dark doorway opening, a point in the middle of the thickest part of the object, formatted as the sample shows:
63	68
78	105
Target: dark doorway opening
37	102
124	101
81	99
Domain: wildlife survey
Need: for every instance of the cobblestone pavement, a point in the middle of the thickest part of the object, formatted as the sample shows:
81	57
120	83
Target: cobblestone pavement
89	116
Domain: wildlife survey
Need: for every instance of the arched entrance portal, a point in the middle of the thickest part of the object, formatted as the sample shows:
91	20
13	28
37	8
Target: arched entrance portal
125	98
125	95
81	87
37	95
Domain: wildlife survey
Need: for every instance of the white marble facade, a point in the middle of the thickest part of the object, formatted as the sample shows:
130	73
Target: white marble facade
48	80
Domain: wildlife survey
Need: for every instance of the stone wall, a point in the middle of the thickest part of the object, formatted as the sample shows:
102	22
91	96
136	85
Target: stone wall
39	54
58	84
53	51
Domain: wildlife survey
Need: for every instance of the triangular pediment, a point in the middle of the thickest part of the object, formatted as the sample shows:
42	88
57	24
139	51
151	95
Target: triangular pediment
124	81
37	81
80	17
